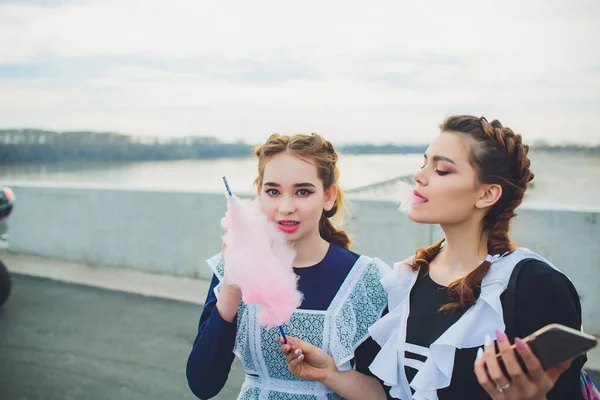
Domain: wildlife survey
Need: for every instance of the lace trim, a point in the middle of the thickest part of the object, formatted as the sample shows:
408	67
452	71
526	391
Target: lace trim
256	347
359	303
242	348
216	265
294	387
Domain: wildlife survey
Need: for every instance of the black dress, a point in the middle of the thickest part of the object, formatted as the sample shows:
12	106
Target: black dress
543	295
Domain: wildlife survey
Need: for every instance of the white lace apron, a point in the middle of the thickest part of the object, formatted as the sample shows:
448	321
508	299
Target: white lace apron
339	330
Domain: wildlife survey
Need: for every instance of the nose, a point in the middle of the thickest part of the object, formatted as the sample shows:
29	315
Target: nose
286	205
420	178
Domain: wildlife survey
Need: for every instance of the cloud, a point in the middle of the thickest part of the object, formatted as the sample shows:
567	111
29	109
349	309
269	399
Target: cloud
349	70
37	3
243	71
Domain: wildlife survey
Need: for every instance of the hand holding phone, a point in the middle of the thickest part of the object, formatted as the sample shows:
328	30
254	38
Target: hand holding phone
532	365
556	343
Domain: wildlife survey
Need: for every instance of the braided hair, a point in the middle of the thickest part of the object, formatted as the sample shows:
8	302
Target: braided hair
498	157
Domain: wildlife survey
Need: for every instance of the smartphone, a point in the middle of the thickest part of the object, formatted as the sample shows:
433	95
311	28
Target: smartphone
556	343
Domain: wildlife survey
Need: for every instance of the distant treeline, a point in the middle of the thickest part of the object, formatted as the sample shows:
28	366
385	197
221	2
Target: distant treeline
27	146
382	148
36	146
566	148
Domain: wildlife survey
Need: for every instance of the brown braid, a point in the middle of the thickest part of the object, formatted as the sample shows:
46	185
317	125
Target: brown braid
322	153
498	157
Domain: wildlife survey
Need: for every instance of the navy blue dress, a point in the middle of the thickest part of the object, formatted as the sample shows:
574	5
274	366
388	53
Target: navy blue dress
211	357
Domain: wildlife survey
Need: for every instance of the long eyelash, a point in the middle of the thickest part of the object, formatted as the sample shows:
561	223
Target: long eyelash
442	173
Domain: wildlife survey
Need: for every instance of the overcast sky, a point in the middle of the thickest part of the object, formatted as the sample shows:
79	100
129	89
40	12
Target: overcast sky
377	71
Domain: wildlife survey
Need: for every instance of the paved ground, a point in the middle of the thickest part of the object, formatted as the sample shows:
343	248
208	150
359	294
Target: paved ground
108	334
61	341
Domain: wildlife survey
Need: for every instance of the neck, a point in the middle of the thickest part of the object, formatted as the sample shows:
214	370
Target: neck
310	250
464	249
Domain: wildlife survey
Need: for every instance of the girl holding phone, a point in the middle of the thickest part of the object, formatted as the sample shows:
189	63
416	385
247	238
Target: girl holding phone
446	302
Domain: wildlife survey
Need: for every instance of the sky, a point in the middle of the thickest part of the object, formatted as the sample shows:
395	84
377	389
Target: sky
354	71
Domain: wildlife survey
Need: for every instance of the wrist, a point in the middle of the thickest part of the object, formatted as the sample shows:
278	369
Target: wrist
231	292
226	311
228	301
331	375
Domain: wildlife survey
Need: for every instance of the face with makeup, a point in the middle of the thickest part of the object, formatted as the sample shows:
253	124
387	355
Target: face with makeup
293	195
447	190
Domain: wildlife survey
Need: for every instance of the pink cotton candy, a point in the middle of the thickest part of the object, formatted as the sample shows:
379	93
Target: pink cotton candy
259	261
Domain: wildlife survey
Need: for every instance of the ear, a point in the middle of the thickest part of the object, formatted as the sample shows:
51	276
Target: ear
330	196
489	195
258	190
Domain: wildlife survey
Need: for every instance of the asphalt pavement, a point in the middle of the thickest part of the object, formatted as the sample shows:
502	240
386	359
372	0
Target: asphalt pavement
61	341
65	341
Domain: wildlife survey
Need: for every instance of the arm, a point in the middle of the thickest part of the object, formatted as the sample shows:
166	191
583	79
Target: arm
229	296
353	385
211	357
229	299
312	363
364	356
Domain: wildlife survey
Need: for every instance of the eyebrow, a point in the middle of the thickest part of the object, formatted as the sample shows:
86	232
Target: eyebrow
303	184
441	158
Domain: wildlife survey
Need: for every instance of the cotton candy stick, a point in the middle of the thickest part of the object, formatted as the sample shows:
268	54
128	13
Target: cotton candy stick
259	262
227	186
282	334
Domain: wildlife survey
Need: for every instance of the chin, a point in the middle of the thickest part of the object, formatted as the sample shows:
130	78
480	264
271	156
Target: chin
420	218
293	237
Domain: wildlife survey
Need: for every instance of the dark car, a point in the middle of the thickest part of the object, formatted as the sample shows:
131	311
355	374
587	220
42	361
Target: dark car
7	201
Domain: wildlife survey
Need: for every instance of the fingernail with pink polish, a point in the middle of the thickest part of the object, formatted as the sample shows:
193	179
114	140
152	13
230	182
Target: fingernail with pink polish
500	336
520	343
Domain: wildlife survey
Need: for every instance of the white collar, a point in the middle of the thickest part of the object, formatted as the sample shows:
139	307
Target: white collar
484	317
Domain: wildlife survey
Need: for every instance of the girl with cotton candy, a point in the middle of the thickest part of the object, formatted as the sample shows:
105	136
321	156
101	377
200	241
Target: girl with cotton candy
447	302
298	195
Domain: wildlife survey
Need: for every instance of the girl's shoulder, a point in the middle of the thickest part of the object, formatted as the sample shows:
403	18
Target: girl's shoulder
348	260
539	278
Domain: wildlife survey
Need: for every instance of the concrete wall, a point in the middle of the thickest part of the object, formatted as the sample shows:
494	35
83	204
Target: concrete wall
162	232
174	232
